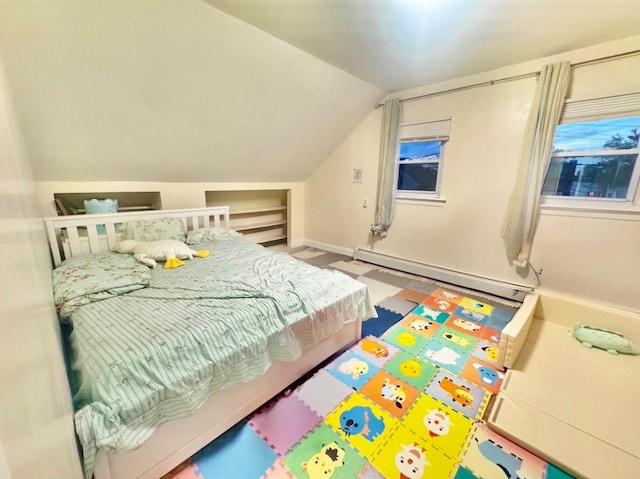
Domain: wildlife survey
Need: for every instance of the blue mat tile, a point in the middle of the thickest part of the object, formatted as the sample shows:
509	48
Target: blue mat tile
377	326
227	456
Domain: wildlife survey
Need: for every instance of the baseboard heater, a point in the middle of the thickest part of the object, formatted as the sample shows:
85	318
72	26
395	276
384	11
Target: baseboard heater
512	337
510	291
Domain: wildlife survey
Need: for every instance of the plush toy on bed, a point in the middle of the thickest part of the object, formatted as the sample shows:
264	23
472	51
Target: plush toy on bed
148	252
610	341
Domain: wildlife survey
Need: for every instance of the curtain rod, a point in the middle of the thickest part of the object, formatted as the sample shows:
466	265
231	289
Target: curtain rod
514	77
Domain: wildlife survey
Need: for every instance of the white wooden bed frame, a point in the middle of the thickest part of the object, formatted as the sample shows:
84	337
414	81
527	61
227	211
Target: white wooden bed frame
176	441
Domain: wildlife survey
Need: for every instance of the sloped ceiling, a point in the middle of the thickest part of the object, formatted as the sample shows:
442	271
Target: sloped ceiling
251	90
177	90
401	44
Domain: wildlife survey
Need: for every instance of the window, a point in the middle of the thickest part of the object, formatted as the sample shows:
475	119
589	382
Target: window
420	159
594	163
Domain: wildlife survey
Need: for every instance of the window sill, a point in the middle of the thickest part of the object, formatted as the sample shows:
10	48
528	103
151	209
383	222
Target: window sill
627	212
431	200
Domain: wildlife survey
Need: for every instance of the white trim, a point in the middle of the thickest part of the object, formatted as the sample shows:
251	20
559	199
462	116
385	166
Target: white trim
513	292
623	214
329	247
426	199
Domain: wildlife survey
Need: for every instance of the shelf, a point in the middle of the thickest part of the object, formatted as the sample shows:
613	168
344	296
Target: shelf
260	209
261	215
127	200
267	238
255	226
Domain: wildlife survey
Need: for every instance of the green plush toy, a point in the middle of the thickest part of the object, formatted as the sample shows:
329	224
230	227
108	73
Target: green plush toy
611	341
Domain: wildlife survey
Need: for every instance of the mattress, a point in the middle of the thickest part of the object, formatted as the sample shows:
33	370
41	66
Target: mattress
146	354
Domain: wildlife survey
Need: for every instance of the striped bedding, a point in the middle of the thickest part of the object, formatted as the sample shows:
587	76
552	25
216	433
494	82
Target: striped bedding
154	354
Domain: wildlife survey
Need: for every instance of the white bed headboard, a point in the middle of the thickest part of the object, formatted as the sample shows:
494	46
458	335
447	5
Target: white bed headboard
78	234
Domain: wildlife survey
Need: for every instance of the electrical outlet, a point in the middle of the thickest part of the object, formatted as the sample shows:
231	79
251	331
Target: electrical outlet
357	175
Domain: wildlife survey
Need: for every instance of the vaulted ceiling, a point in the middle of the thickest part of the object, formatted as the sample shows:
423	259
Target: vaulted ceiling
250	90
401	44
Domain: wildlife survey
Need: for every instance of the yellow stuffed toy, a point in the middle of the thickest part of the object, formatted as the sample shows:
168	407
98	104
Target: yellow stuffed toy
169	251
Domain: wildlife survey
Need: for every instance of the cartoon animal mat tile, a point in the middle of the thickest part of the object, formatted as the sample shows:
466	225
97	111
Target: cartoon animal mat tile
431	314
361	423
374	350
440	304
420	325
411	369
487	352
459	394
405	339
352	369
446	295
483	374
465	326
470	314
390	393
441	426
444	356
490	455
475	305
491	335
323	454
455	339
404	455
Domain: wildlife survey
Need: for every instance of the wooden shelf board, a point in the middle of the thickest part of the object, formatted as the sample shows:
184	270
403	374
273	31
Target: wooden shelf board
260	209
255	226
266	238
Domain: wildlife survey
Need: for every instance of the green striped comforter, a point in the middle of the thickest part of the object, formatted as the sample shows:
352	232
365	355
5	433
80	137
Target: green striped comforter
154	354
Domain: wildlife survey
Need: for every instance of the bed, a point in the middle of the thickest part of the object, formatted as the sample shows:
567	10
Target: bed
166	360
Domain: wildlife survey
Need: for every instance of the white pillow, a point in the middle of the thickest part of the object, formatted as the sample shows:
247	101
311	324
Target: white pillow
209	235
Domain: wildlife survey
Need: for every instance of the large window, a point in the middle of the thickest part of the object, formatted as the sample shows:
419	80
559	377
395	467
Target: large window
594	159
594	162
420	159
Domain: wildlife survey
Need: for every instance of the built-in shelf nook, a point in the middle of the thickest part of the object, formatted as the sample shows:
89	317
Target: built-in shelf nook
261	215
73	203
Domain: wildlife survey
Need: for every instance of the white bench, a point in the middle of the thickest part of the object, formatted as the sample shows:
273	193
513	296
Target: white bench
575	407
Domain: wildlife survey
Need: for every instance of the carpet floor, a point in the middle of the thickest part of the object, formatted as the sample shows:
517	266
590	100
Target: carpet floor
406	402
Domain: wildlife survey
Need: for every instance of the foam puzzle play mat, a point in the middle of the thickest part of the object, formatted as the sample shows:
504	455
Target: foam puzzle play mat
407	404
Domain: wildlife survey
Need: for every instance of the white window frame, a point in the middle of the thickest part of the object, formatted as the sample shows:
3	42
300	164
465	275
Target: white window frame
578	111
432	130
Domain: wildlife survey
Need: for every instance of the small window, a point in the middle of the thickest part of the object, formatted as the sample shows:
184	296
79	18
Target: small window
418	166
420	159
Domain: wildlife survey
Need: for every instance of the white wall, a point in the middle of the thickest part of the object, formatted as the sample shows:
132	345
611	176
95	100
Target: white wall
36	423
595	258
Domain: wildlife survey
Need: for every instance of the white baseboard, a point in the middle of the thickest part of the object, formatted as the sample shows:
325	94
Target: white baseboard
513	292
329	247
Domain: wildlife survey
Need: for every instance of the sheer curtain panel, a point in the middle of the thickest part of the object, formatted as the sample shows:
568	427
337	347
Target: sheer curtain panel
385	201
523	211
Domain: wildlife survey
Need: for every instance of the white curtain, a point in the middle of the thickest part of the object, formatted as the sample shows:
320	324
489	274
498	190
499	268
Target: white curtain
520	222
389	145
